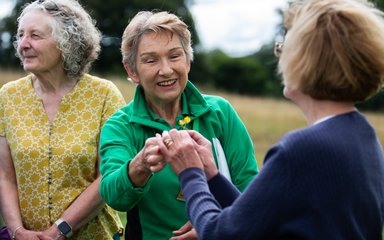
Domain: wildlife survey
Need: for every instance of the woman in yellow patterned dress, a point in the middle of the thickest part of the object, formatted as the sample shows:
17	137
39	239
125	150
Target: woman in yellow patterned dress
50	122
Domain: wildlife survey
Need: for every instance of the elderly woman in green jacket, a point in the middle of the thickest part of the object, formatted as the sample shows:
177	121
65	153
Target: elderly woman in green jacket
157	56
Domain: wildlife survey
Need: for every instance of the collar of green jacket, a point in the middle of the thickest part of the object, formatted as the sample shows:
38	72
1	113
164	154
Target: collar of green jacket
192	101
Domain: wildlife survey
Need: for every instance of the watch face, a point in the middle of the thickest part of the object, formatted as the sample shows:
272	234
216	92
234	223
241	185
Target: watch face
64	228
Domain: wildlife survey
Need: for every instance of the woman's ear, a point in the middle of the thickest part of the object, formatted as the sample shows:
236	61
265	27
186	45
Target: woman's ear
132	74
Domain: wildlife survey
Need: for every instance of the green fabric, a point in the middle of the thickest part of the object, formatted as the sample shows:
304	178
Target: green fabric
124	135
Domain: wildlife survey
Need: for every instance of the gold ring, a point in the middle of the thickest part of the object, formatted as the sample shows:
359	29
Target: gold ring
168	142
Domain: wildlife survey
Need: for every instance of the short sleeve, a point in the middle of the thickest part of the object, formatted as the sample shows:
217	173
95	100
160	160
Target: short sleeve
2	120
113	102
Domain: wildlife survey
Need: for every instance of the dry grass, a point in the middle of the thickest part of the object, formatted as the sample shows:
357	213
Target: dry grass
266	119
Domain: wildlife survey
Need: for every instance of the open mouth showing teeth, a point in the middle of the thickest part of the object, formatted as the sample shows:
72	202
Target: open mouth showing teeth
167	83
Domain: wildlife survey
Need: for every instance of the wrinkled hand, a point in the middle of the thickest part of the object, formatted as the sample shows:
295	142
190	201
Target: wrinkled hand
148	160
180	153
204	149
152	157
51	233
26	234
186	232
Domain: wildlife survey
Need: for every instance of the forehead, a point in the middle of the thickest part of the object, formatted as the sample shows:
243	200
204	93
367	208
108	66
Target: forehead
35	21
157	42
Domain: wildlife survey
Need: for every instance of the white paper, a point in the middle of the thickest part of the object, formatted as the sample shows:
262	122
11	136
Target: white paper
221	159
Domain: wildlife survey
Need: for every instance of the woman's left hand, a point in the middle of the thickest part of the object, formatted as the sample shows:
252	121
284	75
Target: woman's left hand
186	232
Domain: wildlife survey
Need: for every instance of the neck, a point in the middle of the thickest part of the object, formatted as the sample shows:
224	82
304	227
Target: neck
320	109
168	111
52	85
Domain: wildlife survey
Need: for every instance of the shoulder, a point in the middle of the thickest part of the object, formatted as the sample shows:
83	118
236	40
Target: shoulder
217	102
95	81
16	85
100	86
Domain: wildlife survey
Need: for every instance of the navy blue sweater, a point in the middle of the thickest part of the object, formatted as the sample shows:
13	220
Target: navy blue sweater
321	182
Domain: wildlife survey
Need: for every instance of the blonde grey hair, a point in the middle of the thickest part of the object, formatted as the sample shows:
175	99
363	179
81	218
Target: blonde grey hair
74	32
334	49
145	22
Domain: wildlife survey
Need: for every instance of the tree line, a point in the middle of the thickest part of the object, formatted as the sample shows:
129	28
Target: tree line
254	75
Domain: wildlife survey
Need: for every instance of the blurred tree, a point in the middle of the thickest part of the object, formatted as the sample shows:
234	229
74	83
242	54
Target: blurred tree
112	17
241	75
268	60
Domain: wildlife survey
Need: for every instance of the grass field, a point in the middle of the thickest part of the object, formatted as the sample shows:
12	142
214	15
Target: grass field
266	119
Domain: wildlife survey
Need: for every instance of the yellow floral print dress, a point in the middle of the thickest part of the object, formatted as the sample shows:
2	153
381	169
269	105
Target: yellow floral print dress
56	161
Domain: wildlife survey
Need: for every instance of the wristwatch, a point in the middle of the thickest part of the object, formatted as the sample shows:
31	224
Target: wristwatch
64	228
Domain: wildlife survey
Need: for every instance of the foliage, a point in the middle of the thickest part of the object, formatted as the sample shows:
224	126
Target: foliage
111	18
255	74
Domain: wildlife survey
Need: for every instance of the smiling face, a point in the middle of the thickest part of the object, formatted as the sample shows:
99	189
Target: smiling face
37	49
162	68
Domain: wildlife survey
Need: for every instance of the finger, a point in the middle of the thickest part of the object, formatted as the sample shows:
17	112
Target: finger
152	150
153	160
185	228
158	167
167	139
190	235
197	137
168	142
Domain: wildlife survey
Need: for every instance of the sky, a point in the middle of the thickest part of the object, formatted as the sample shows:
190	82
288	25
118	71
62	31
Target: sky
238	27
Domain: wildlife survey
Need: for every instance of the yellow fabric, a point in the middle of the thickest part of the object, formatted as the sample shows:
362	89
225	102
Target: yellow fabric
56	161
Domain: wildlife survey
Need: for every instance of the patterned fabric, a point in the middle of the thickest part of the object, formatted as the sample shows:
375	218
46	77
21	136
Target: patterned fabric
56	161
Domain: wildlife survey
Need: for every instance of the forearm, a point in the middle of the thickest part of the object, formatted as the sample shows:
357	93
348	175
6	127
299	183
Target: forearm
9	197
86	207
9	202
224	197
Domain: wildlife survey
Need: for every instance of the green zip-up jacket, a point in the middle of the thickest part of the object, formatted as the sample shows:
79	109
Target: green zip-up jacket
160	208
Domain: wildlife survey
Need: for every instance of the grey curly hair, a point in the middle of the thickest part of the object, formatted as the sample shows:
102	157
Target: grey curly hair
74	32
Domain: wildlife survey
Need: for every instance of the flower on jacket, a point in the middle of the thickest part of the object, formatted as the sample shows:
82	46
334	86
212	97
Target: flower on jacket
184	122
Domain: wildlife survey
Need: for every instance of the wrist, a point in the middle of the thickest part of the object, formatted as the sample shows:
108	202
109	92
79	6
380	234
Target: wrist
14	232
64	228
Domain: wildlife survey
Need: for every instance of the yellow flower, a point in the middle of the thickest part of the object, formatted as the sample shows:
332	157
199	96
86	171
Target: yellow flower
184	122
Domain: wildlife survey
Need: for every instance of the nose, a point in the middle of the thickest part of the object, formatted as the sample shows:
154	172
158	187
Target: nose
165	68
23	43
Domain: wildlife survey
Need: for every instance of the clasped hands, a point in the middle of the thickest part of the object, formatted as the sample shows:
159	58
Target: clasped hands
182	149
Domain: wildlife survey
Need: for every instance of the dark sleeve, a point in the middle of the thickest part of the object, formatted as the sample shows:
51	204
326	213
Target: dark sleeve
253	215
223	190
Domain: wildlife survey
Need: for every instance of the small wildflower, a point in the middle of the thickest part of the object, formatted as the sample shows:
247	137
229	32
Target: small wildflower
184	122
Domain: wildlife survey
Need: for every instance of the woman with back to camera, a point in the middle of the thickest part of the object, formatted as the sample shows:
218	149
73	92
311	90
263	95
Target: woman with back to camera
325	181
50	122
157	55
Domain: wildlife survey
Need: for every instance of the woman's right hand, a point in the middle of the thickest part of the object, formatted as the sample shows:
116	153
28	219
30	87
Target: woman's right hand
204	148
148	160
26	234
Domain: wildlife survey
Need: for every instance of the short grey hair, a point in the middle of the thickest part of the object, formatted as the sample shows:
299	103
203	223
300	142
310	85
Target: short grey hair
74	31
145	22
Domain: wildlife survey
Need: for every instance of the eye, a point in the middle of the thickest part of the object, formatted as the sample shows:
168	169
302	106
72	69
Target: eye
174	56
150	60
35	36
19	35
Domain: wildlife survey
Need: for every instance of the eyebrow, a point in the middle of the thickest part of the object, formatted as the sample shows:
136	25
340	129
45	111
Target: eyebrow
154	53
